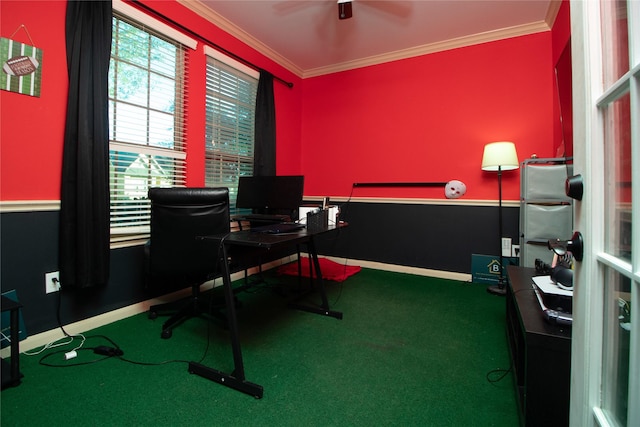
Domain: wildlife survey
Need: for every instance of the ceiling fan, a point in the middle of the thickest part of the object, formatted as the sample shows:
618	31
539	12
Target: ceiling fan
398	9
345	9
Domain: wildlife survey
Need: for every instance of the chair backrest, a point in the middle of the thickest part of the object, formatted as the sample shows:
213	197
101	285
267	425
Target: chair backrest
178	217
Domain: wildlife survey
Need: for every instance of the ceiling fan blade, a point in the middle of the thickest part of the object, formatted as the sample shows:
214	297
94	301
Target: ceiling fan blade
345	10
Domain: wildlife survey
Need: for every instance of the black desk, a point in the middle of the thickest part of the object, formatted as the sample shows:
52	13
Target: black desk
540	352
250	241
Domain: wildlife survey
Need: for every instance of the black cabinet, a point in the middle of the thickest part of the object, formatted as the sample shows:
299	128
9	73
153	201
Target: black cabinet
11	371
540	352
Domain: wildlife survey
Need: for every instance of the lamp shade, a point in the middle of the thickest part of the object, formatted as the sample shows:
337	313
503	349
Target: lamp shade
500	156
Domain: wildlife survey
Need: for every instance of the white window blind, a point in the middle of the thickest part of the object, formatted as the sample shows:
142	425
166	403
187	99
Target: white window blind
146	123
230	123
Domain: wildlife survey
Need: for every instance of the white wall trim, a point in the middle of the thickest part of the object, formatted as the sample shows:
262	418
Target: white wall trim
54	205
552	12
417	271
224	24
82	326
29	205
43	338
416	201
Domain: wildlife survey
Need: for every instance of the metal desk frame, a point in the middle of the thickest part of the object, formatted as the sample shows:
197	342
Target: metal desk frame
251	241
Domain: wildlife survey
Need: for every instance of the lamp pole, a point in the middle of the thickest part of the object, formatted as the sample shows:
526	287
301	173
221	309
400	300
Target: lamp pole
498	157
501	278
500	289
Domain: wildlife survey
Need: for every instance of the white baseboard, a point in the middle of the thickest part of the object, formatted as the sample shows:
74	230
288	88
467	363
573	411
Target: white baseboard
440	274
46	337
43	338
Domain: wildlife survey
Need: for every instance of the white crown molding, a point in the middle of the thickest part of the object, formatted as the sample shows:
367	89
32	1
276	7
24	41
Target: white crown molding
552	12
231	28
426	49
224	24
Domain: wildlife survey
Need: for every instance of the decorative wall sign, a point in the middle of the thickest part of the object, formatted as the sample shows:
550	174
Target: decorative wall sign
21	66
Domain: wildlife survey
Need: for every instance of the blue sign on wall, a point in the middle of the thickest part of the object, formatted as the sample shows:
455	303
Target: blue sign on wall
486	268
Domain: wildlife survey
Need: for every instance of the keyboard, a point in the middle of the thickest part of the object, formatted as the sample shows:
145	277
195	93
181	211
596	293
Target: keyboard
285	227
263	217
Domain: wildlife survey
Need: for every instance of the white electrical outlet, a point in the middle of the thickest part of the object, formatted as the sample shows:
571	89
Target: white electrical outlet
49	284
506	246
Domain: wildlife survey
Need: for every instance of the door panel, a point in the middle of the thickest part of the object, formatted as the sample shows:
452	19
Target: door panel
606	336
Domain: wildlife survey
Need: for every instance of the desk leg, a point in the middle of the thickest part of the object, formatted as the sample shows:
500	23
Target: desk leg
236	379
324	308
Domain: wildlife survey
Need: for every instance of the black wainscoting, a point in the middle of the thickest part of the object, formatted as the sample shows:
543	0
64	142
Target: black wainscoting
438	237
29	249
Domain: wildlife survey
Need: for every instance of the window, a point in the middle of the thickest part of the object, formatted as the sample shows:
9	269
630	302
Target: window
230	122
617	256
146	116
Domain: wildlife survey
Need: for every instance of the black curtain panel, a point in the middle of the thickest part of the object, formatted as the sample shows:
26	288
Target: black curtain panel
264	162
84	198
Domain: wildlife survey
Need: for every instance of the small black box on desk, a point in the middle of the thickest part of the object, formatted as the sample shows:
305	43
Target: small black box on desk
318	220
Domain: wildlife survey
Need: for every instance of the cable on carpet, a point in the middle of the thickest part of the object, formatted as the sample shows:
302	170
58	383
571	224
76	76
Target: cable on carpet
500	373
103	352
68	339
106	351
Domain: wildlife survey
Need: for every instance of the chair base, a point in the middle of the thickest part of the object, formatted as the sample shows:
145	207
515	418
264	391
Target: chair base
187	308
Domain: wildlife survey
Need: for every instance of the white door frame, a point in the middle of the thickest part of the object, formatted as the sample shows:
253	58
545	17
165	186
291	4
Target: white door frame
589	300
587	330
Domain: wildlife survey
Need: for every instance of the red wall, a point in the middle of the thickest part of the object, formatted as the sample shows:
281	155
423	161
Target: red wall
288	100
428	119
563	105
420	119
32	128
561	33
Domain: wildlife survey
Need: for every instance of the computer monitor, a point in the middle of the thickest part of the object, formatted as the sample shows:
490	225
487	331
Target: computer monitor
270	194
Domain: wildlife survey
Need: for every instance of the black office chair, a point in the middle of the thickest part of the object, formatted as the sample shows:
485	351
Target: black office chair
176	257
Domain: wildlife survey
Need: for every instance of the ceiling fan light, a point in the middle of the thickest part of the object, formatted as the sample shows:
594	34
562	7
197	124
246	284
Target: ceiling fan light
345	10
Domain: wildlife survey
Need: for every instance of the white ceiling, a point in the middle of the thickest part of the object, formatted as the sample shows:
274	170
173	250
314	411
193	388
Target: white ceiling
307	38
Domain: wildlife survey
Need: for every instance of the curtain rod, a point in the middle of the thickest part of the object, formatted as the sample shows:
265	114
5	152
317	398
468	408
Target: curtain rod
203	39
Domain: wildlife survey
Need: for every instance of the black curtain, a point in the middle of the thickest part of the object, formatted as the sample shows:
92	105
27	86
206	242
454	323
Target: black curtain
264	161
84	198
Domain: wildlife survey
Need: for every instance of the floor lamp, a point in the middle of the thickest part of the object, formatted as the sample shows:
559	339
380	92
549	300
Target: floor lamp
498	157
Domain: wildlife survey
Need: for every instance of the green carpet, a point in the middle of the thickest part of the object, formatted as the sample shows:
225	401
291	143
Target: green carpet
410	351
